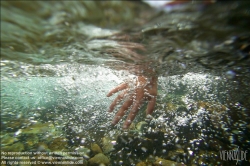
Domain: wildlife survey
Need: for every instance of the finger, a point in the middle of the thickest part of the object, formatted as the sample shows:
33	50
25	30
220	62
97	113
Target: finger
122	111
151	105
132	114
117	100
117	89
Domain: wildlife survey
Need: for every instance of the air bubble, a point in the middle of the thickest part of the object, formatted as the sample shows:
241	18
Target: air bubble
230	74
144	149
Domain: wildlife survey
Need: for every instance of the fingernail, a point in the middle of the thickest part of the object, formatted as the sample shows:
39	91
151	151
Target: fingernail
125	126
116	120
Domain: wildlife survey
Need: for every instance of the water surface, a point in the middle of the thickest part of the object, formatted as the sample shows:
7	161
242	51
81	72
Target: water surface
59	60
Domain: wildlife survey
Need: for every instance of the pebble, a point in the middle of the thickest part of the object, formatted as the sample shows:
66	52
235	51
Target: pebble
99	159
95	148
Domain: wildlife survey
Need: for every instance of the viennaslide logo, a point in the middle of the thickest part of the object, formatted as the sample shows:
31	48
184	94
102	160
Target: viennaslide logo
233	155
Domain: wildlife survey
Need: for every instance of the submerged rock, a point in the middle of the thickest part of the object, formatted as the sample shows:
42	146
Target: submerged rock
141	164
16	147
95	148
107	145
32	139
42	147
84	151
163	162
142	126
170	107
7	139
14	124
39	128
174	154
99	159
58	144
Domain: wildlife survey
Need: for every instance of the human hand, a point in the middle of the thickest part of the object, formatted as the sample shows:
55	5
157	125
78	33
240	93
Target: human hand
144	89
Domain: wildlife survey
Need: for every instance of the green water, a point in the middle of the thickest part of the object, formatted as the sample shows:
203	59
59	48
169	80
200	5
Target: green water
59	59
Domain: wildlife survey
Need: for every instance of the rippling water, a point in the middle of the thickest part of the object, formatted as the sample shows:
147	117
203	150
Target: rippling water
59	60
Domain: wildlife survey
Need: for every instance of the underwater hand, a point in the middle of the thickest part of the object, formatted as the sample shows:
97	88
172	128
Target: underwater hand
144	89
